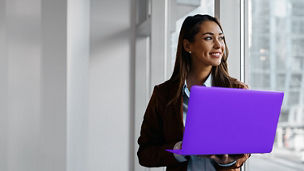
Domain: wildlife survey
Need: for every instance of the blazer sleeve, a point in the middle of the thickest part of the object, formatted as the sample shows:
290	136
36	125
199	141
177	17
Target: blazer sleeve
152	146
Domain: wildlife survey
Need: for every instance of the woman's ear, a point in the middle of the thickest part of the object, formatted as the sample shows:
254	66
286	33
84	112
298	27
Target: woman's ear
186	45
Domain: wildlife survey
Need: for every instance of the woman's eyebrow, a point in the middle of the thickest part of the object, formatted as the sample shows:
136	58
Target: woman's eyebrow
211	33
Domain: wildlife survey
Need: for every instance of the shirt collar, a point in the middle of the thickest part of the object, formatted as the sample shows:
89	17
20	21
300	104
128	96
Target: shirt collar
187	91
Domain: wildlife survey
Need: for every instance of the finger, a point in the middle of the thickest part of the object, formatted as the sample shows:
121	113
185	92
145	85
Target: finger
225	158
237	156
220	157
214	157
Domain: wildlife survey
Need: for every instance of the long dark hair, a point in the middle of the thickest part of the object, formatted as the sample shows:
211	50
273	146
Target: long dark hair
219	74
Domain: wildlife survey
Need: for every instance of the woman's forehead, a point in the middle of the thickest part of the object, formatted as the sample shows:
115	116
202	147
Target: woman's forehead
210	27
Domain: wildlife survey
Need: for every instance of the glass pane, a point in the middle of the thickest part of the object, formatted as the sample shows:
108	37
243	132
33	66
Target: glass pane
276	62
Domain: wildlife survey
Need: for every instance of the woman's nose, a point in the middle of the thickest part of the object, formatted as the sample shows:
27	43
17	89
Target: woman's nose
217	44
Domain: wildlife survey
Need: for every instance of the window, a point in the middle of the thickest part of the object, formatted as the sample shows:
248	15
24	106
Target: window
276	55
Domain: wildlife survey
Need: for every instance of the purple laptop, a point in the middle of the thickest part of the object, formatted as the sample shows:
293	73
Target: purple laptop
230	121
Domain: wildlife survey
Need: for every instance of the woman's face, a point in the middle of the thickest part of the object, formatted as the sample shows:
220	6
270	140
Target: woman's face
208	46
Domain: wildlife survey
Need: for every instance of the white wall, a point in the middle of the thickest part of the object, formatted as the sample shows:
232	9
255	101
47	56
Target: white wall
77	84
22	53
3	88
53	117
41	122
111	89
44	67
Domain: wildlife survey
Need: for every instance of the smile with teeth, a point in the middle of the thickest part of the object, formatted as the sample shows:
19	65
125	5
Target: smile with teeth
215	54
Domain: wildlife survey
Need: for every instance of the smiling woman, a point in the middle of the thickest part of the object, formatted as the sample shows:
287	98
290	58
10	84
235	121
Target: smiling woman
201	53
208	45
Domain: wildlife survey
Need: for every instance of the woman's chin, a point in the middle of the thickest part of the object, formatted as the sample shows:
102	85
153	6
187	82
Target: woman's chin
217	63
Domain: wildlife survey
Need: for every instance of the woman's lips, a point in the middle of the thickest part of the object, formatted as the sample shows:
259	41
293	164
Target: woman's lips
215	54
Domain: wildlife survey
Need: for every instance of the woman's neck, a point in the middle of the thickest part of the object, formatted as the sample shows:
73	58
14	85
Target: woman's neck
198	76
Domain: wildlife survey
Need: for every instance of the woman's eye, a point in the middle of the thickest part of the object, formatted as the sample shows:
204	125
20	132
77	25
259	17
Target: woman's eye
222	38
207	38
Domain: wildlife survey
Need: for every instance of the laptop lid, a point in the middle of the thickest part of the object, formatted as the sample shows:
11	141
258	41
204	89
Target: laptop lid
230	121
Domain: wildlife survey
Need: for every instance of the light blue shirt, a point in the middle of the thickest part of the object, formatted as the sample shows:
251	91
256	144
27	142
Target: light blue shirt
195	163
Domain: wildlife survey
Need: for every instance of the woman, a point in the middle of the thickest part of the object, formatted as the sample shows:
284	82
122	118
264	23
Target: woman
201	52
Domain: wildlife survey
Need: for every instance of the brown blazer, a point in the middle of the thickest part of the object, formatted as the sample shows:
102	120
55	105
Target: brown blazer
162	128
